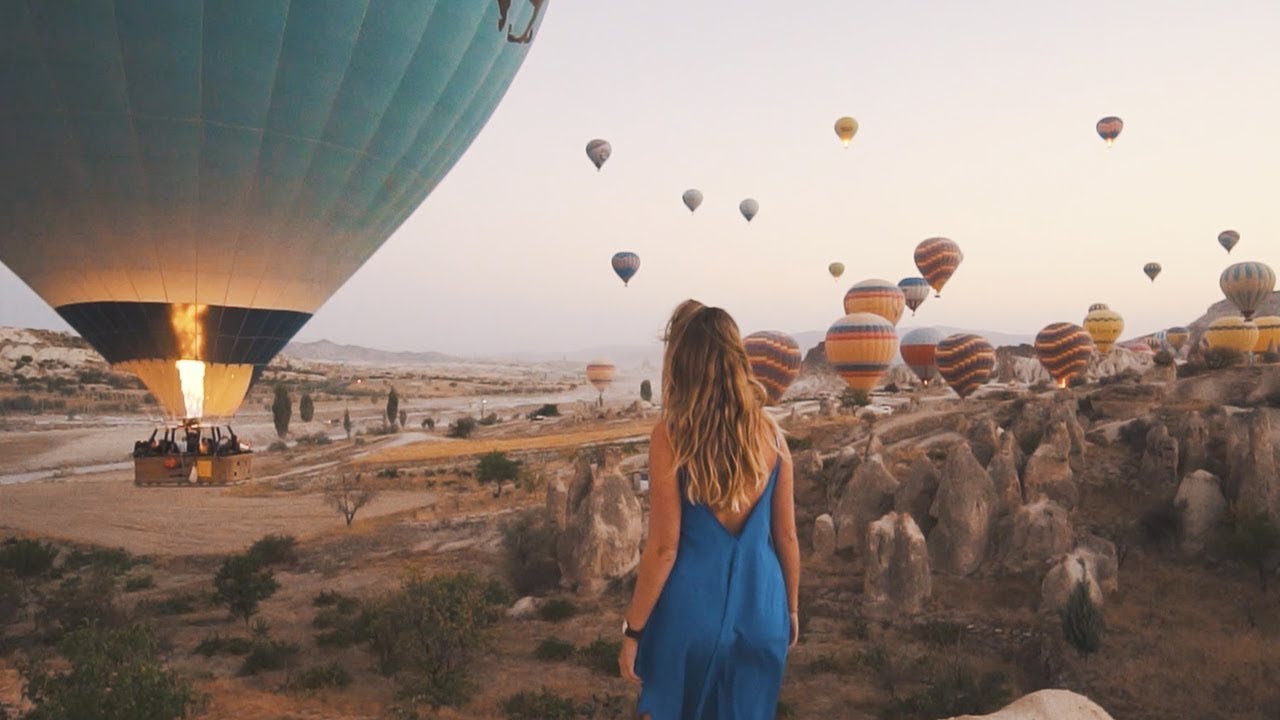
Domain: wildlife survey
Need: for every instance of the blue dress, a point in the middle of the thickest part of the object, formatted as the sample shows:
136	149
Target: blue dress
715	645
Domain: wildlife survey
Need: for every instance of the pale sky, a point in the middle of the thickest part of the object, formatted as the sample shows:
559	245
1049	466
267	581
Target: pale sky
977	123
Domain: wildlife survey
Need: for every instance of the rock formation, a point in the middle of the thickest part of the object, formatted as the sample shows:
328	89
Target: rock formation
1061	580
984	440
824	537
965	508
916	494
1047	705
1037	533
1049	473
1063	410
1259	487
897	580
557	502
1194	443
601	537
868	495
1159	467
1202	505
1003	469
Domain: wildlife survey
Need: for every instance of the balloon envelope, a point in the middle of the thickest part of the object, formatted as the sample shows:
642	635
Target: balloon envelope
748	208
1098	306
600	374
1064	350
1151	270
915	291
919	349
1247	285
692	199
1228	239
876	296
859	347
599	152
1233	333
937	259
1105	327
836	269
625	264
1268	333
846	128
965	362
775	361
1109	128
188	181
1177	337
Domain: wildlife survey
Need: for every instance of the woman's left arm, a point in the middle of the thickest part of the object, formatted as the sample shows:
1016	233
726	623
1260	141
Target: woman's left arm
785	542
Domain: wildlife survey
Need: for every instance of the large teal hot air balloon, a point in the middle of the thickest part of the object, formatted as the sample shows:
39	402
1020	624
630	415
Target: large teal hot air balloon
186	182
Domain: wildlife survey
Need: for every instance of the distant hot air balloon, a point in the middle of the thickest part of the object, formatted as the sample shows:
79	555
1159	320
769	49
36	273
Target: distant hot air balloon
749	208
1109	129
846	128
775	361
937	259
1228	239
1099	306
1151	269
1155	342
600	374
1064	350
1247	285
1105	327
919	351
965	362
1177	337
1233	333
915	290
859	347
1268	333
187	182
1138	347
876	296
599	151
692	199
836	269
625	264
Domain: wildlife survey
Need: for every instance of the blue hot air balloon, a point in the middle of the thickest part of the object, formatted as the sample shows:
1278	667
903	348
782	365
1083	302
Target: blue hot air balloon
186	182
625	264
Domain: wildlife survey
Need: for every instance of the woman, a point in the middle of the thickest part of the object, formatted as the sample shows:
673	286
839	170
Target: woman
714	609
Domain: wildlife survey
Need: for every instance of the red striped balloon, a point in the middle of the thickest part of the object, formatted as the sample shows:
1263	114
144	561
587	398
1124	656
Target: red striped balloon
965	362
1064	350
775	361
937	259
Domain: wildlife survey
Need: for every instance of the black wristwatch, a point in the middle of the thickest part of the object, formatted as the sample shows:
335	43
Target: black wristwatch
630	631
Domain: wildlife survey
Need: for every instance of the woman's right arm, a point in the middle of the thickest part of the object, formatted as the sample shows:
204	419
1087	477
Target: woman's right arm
785	542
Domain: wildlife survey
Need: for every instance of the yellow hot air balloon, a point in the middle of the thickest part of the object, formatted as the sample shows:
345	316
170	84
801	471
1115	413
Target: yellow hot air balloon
836	269
860	347
846	128
1177	337
1268	333
1104	326
1232	333
876	296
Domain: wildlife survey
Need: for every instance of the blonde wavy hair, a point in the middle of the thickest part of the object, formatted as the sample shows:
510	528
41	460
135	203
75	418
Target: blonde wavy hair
713	408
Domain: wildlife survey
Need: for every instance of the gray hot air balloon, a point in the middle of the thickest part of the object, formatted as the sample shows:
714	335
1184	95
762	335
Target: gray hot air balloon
599	151
692	199
749	208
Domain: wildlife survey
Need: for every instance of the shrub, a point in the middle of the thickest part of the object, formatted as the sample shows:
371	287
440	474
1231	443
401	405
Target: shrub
346	422
281	410
543	705
306	408
316	438
1161	524
1164	358
11	597
393	407
114	675
1134	433
427	633
939	633
78	601
27	558
851	398
1081	621
1030	442
1271	356
548	410
277	446
348	494
797	444
216	644
1255	543
332	598
557	610
495	467
135	583
242	584
462	427
1221	358
116	561
490	419
323	676
179	604
274	549
529	553
267	655
601	656
554	650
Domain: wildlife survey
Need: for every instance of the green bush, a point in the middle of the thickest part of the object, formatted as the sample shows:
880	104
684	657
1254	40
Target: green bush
646	391
267	655
543	705
275	549
495	467
114	675
117	561
134	583
78	601
306	408
490	419
11	597
1161	523
323	676
548	410
601	656
554	650
557	610
796	443
427	633
462	427
281	410
345	604
216	644
1255	543
242	583
179	604
939	633
26	558
851	398
315	439
393	407
529	553
1082	624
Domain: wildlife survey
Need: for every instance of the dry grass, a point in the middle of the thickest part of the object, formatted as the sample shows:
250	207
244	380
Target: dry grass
437	450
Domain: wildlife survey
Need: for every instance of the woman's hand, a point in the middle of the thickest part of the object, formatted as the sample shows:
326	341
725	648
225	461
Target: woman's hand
627	660
795	630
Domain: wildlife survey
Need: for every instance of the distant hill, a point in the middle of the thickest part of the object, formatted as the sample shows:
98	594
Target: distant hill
327	351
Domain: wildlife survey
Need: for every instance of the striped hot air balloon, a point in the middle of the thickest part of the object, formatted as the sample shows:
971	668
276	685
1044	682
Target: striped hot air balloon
859	347
1177	337
775	361
1064	350
1104	326
625	264
599	152
876	296
1155	342
1099	306
1268	333
1228	239
1247	285
1151	270
919	351
915	290
1232	333
937	259
600	374
1109	128
965	362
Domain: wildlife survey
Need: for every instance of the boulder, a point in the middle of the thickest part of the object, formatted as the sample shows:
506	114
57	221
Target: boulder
868	495
1004	473
1037	533
524	609
824	537
1159	467
1104	559
1061	580
1259	487
984	440
1049	473
1193	446
601	537
1202	505
897	580
1047	705
965	509
915	495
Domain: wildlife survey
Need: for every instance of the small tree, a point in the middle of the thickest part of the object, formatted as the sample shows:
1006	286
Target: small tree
497	468
393	407
282	410
346	422
306	408
428	423
646	391
404	418
348	494
1082	624
1255	543
462	427
242	584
